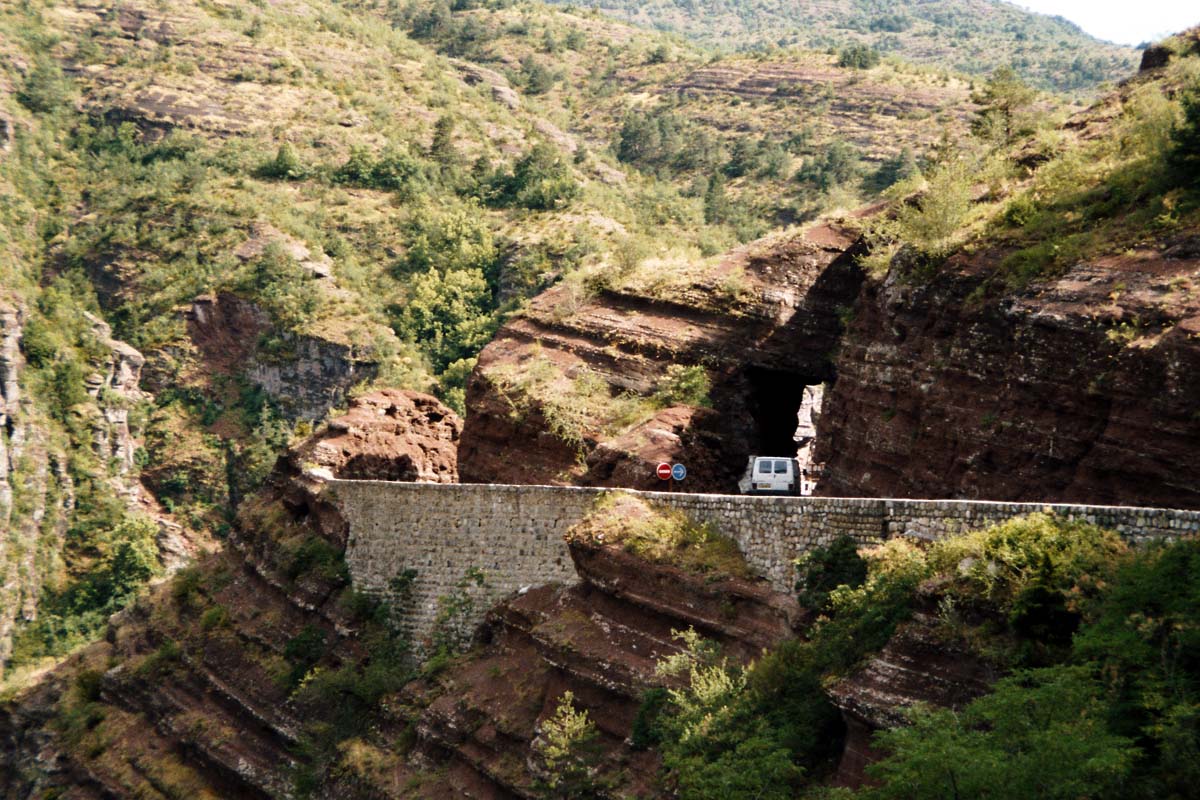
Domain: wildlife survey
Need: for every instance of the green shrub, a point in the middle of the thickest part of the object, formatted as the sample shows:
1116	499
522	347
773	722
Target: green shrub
536	77
837	164
315	556
160	662
569	750
286	165
449	239
39	343
281	287
824	569
45	89
1142	635
683	385
1037	734
185	586
1004	563
452	384
303	651
1184	156
645	732
858	56
449	314
1002	107
395	169
215	617
717	208
931	224
541	180
715	744
135	558
661	140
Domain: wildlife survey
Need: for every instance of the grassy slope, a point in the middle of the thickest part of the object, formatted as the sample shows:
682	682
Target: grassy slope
970	35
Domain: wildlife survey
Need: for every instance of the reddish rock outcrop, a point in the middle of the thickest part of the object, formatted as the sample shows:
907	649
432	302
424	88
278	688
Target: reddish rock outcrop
387	435
762	322
1084	388
601	640
918	665
391	434
680	434
318	375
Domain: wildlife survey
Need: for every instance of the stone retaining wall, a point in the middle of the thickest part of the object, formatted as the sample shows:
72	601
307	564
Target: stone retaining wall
515	533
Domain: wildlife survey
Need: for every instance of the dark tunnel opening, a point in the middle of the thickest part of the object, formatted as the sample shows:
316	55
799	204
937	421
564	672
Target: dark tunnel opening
774	401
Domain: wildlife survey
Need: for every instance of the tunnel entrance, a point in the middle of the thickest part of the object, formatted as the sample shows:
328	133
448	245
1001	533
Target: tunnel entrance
774	402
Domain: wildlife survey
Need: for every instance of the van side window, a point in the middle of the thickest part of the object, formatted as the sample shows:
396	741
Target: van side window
781	468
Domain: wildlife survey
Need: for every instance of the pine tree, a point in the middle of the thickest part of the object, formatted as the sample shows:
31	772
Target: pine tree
442	148
716	204
1184	158
1003	99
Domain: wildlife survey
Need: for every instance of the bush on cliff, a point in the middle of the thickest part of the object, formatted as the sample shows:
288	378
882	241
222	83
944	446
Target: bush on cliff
1039	734
683	385
1117	717
826	568
1027	580
568	747
1109	711
1185	142
738	733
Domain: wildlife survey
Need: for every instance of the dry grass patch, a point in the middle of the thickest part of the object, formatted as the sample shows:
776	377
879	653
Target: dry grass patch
662	536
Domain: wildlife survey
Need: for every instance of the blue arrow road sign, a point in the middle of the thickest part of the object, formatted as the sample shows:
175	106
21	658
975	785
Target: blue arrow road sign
679	472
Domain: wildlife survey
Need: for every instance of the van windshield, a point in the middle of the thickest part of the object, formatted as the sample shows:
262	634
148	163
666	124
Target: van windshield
781	468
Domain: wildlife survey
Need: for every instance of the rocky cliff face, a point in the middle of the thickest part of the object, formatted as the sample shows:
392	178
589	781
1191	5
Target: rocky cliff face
1080	389
308	375
600	640
201	707
761	324
37	492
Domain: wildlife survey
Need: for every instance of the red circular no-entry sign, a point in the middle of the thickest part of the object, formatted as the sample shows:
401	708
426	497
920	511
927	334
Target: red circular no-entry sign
663	471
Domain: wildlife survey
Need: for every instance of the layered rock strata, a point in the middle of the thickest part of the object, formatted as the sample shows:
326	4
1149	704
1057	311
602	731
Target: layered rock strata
762	324
1083	388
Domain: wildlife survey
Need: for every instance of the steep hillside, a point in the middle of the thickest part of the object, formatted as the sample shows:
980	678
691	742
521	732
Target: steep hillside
1023	331
666	670
273	207
974	36
260	673
782	136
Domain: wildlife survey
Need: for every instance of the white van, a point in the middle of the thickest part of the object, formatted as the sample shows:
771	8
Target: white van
771	475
